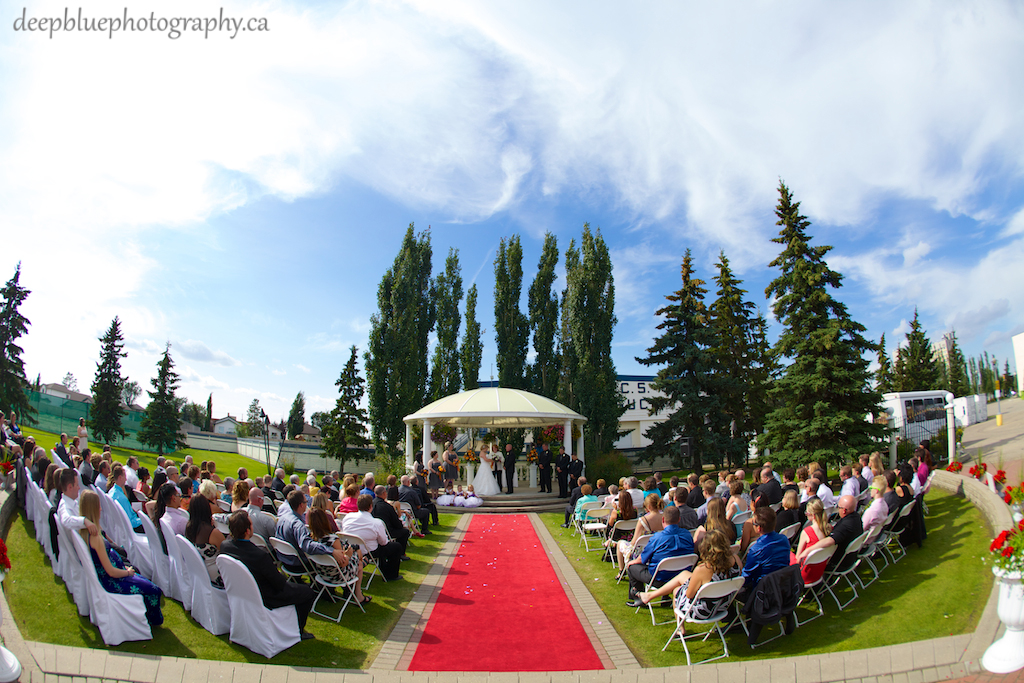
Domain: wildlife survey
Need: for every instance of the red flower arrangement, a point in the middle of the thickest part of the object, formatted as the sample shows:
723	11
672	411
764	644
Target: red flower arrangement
1000	477
978	471
954	466
7	467
1013	496
5	562
1008	549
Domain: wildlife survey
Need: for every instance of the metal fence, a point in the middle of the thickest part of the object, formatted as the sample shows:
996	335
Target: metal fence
61	415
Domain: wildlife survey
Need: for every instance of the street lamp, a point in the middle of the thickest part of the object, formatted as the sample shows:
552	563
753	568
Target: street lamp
266	437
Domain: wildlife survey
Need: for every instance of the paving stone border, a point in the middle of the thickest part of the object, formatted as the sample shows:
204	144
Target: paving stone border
918	662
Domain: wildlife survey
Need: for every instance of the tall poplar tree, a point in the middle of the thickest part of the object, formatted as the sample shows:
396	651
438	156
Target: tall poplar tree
209	413
569	364
883	375
346	425
975	380
471	352
822	398
543	303
511	327
695	390
106	413
160	424
14	325
956	374
396	360
734	328
589	303
445	375
254	418
916	368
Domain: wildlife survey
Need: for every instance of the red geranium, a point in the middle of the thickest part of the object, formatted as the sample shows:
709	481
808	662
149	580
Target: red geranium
1000	476
954	466
978	471
5	562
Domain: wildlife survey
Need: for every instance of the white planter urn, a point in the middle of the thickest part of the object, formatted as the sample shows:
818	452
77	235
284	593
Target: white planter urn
10	667
1017	513
470	471
1007	654
533	475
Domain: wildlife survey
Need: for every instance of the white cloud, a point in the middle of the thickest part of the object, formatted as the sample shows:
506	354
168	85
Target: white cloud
301	367
279	373
197	350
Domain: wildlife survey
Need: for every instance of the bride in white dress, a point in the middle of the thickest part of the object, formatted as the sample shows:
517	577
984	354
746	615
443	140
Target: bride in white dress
484	483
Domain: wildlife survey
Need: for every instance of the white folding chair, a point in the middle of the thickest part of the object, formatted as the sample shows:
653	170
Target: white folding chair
72	571
637	547
815	557
209	603
738	520
264	631
325	567
284	550
261	542
224	505
669	564
580	515
596	523
622	525
136	545
118	617
893	534
722	591
181	581
367	560
839	572
742	619
883	537
30	511
791	531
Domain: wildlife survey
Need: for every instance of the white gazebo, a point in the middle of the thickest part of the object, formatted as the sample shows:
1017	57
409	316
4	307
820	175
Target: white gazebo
494	408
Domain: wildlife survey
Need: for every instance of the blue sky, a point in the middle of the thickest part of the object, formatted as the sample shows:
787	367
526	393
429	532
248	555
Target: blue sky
242	197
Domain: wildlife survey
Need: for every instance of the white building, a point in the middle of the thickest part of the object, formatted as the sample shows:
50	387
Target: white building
1018	356
225	425
637	389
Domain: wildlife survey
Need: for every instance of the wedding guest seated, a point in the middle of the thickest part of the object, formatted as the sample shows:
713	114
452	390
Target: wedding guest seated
749	531
262	523
385	512
67	507
414	497
291	527
602	489
663	488
766	554
239	495
371	530
168	504
828	498
350	502
696	496
612	499
623	511
229	489
587	497
369	484
843	533
50	483
204	536
877	511
687	515
420	484
790	512
651	522
275	590
110	568
718	563
349	557
633	487
737	503
769	488
672	541
118	483
574	498
851	485
710	493
650	487
818	529
789	482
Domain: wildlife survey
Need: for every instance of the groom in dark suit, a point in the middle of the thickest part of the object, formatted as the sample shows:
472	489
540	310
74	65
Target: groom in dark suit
510	467
544	466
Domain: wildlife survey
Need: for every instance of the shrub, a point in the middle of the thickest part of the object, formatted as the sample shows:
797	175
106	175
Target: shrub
608	466
287	464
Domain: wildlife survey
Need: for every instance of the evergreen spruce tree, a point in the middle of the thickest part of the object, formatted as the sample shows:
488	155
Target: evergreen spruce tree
972	367
511	327
472	350
762	374
396	360
160	424
14	325
734	329
883	375
106	413
543	302
254	418
445	372
589	303
695	388
823	396
346	425
916	369
297	416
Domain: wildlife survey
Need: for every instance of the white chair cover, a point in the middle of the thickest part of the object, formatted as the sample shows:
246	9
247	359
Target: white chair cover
30	511
119	617
209	603
136	545
161	561
264	631
181	582
71	570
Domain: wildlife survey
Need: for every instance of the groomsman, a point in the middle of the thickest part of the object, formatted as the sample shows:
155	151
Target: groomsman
562	469
544	468
575	469
510	467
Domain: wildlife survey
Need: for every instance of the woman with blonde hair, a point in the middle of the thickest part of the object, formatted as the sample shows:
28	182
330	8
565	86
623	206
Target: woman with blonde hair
114	576
350	563
240	495
349	502
875	463
818	529
718	563
737	503
322	502
715	521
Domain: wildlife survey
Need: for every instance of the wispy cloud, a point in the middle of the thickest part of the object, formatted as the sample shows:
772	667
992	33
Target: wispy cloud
197	350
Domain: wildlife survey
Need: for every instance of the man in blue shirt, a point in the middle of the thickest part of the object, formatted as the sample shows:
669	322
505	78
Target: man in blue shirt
765	555
672	541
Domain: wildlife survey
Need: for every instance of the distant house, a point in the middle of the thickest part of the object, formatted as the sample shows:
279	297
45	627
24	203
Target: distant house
309	433
225	425
275	433
61	391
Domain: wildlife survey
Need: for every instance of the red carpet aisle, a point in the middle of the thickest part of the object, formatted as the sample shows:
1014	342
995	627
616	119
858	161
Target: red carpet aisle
502	608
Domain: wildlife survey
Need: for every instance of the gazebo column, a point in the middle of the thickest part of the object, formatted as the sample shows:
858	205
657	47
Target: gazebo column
428	443
579	447
408	447
567	437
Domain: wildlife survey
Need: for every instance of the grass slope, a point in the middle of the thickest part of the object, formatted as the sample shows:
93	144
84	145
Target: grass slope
45	611
938	590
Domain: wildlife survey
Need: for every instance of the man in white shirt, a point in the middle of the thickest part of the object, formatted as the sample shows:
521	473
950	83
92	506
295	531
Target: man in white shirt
67	509
828	499
262	523
865	468
375	538
635	491
851	485
131	473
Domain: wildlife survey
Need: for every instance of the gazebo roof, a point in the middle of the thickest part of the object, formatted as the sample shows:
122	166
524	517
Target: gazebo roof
495	407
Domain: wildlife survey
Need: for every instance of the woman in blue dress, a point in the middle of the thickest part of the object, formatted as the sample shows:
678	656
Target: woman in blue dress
110	568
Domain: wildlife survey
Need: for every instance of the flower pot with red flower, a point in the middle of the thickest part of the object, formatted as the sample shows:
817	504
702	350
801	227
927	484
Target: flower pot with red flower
10	667
1007	654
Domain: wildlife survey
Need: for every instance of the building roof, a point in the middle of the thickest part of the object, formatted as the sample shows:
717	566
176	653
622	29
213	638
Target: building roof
495	407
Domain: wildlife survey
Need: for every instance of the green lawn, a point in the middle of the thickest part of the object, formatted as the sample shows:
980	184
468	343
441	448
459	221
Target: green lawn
938	590
44	611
